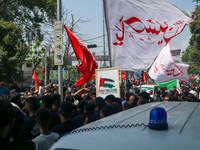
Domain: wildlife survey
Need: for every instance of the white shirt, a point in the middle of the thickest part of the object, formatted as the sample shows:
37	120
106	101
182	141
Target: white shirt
44	142
41	90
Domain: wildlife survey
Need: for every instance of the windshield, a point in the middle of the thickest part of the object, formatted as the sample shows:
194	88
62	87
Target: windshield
146	89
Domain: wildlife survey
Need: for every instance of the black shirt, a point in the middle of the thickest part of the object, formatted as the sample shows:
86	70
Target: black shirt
20	144
14	86
30	128
4	144
55	119
79	120
64	127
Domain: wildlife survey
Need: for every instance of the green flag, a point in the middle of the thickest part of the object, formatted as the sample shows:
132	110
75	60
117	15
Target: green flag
197	79
169	84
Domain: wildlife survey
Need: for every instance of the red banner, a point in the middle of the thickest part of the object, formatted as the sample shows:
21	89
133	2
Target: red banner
34	77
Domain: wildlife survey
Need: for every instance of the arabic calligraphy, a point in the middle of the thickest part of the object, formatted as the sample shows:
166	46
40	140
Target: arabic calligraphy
169	72
149	26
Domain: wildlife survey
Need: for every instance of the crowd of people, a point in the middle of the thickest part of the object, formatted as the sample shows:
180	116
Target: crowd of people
41	117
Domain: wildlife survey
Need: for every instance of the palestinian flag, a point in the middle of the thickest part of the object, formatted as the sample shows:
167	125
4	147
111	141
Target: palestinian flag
105	82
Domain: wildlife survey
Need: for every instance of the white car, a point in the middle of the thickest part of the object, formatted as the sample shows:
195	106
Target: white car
121	132
149	87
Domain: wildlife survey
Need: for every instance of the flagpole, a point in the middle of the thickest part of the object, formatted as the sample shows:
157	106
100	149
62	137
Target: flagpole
60	79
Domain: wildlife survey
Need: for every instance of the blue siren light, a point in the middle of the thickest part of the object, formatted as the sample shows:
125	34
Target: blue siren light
158	119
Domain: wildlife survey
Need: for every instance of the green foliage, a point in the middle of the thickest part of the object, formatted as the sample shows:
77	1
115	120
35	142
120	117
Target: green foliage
36	54
12	50
192	53
29	14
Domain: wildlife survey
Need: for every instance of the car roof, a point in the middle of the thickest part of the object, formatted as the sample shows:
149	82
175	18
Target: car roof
148	85
183	130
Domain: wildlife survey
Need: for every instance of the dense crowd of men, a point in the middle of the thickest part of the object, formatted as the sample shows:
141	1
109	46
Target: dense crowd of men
38	119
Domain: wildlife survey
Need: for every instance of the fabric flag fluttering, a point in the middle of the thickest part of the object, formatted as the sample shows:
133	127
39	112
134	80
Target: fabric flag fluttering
145	77
43	70
87	63
170	84
192	77
165	69
139	29
34	77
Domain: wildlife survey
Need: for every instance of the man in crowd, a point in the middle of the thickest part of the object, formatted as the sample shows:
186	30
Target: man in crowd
15	86
2	88
46	137
67	124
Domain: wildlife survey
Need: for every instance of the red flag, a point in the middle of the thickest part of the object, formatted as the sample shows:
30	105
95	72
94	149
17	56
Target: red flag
43	71
87	63
145	77
34	77
192	76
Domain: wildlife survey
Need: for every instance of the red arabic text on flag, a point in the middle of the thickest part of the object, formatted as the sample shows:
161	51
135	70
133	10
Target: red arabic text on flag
165	69
87	63
139	29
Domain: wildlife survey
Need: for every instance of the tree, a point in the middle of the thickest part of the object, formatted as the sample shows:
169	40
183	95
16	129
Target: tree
74	26
29	14
13	50
192	52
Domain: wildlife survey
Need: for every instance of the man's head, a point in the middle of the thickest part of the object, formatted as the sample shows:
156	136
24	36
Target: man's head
109	99
137	91
56	99
132	98
15	82
174	87
1	82
41	82
43	117
31	104
167	98
15	98
157	93
70	99
99	102
93	95
47	102
143	98
66	109
7	115
89	107
128	105
107	110
51	82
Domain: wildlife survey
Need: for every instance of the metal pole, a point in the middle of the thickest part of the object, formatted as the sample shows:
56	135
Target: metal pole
104	51
60	79
45	82
121	76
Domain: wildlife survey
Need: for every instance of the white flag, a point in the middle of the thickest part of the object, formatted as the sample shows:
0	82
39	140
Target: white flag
165	69
139	29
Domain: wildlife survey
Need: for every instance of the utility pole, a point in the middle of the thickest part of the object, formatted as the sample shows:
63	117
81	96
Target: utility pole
60	79
104	51
46	63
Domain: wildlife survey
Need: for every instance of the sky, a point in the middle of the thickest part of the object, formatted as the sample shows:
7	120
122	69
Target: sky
93	9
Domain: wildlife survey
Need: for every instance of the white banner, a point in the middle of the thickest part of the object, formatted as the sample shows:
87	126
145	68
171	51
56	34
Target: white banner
165	69
58	43
139	29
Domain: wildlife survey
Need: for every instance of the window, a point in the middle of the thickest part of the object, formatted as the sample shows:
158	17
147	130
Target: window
28	65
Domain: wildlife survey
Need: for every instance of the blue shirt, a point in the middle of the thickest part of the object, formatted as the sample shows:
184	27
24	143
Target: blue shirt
3	91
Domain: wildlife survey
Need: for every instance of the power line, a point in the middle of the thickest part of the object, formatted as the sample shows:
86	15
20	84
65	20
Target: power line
94	38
